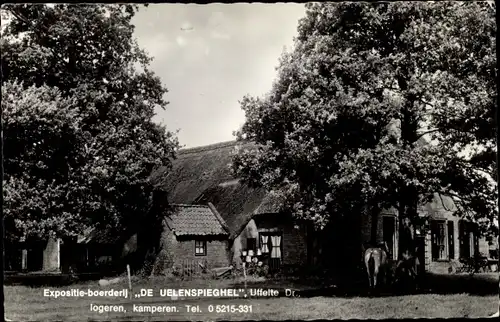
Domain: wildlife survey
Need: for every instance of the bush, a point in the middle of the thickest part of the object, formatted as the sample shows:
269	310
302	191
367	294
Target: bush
253	269
257	271
474	265
148	266
494	253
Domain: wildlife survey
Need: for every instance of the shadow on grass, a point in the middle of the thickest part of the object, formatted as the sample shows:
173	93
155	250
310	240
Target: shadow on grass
479	284
47	279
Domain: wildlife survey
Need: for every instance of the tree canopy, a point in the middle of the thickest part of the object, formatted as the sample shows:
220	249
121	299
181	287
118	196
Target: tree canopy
383	104
78	99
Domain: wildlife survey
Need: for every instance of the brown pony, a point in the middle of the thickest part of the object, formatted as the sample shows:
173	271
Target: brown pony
407	269
376	261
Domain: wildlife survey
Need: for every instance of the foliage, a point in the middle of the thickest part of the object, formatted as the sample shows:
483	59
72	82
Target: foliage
43	150
82	95
256	270
375	106
252	271
474	265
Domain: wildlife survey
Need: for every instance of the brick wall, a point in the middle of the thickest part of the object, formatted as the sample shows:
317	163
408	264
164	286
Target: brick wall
438	267
366	226
175	250
294	245
437	212
217	252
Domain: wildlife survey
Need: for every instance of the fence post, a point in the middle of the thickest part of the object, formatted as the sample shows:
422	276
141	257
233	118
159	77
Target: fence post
129	281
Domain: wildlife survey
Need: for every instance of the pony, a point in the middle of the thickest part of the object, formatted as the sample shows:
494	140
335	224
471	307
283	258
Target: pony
407	270
376	261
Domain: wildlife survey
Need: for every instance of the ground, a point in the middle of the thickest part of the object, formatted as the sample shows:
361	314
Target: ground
28	303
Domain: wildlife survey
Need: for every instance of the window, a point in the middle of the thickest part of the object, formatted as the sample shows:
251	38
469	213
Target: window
264	240
275	246
468	239
272	246
200	248
252	244
438	231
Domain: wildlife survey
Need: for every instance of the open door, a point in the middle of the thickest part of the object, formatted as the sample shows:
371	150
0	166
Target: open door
420	242
389	234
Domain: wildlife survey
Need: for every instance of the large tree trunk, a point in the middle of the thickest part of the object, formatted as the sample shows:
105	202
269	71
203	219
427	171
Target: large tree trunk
408	199
407	214
374	226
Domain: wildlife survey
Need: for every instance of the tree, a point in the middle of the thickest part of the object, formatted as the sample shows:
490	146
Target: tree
375	106
80	142
42	136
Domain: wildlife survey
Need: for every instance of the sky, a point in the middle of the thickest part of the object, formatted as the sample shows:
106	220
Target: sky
209	57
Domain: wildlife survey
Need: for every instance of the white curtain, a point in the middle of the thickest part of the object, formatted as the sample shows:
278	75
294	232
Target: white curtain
263	242
471	244
276	250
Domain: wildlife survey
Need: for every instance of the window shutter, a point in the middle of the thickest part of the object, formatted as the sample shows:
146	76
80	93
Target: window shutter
451	240
251	244
476	243
434	247
462	237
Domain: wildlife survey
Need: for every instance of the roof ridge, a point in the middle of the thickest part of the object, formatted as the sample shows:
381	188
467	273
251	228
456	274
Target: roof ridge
209	147
221	220
189	205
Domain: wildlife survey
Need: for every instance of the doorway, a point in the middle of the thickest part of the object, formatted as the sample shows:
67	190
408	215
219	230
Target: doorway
389	233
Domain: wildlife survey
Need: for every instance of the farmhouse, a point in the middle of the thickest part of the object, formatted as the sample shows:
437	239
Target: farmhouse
203	176
218	221
442	241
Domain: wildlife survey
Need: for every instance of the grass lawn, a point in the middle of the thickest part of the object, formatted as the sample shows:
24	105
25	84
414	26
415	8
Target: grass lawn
24	303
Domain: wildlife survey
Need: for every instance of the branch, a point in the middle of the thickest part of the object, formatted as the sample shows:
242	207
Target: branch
467	164
425	103
19	16
30	24
428	132
451	194
458	204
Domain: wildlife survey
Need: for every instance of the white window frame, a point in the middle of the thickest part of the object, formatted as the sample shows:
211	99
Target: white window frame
203	247
445	254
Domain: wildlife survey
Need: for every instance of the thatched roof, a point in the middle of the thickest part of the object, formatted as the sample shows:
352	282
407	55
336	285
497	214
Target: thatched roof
440	203
195	220
98	236
196	170
238	203
203	175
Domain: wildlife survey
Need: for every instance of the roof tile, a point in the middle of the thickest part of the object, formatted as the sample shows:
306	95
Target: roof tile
195	220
